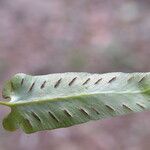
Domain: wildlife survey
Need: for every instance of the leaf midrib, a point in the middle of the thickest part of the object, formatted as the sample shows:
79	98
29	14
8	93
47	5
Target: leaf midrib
11	104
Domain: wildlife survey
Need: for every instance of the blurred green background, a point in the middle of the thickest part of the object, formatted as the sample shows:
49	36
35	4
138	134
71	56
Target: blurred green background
48	36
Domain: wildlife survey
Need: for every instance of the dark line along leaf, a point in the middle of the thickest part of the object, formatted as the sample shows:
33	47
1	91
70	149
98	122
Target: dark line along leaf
61	100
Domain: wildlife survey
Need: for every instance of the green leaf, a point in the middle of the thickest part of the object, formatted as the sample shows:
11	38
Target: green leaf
60	100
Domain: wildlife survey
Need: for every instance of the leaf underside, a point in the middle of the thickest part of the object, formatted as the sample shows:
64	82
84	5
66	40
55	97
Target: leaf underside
60	100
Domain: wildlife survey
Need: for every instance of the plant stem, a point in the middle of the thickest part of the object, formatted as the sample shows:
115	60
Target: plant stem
4	103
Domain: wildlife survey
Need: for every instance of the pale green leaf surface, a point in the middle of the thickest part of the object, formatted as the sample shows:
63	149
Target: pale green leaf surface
60	100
